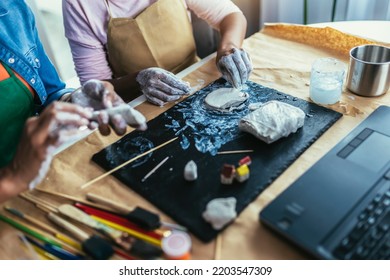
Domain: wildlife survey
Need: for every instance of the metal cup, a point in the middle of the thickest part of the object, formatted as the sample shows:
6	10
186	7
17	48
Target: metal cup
369	70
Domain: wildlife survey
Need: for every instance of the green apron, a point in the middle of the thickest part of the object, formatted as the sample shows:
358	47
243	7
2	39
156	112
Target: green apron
16	105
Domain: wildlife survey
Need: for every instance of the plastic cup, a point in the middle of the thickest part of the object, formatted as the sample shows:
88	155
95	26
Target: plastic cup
326	80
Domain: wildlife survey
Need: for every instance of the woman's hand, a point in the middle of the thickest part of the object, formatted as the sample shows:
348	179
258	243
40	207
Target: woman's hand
109	108
160	86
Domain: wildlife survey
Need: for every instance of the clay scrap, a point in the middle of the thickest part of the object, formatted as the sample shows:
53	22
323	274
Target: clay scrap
220	212
191	171
272	121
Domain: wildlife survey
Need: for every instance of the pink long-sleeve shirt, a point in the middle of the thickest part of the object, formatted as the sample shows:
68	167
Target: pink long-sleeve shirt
86	22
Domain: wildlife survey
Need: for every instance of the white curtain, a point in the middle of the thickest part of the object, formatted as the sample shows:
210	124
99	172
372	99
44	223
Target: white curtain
291	11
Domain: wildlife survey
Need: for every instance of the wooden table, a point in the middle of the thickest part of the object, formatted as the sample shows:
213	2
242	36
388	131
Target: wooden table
280	64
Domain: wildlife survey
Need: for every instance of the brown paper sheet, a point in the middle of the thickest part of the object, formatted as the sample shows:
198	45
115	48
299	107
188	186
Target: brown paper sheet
280	63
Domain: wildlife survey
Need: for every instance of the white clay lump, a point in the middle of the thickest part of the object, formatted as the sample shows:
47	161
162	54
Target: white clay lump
191	171
225	99
220	212
272	121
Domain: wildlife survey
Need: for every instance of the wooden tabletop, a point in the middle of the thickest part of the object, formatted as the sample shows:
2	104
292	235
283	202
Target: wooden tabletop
279	64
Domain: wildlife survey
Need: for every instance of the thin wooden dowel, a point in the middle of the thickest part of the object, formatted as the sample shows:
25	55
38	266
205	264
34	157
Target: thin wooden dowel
235	152
154	169
126	163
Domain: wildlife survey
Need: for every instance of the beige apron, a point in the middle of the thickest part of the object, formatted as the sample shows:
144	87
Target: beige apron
160	36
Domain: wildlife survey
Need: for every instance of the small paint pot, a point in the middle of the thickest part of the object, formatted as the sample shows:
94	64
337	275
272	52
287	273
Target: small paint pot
177	246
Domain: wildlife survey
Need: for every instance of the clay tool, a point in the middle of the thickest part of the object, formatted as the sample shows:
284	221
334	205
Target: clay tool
126	163
155	234
94	245
142	217
54	250
44	226
234	152
154	169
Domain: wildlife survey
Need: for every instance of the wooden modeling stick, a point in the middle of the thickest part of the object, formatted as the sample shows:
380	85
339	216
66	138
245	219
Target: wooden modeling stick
94	246
126	163
137	215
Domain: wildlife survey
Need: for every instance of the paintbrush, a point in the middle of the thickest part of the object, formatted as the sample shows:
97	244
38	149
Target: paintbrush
132	245
115	218
33	232
142	217
54	250
45	227
95	246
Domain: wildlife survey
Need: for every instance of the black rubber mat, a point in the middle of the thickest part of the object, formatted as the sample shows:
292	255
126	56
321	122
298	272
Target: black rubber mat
201	134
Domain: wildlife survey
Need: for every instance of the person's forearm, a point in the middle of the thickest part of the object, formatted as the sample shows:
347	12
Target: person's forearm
232	29
126	86
10	186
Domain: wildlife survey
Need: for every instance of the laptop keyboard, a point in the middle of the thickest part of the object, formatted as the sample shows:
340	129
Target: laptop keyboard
370	237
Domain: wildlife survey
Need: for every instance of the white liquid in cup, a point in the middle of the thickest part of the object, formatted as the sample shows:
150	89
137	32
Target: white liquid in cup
326	80
325	91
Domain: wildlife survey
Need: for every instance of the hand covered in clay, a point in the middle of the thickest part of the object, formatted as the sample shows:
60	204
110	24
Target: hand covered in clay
160	86
109	108
39	138
235	66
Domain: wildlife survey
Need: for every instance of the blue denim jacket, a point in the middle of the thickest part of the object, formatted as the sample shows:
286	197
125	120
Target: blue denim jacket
22	50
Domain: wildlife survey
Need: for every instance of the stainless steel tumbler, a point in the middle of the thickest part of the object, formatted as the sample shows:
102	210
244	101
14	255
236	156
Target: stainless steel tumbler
369	70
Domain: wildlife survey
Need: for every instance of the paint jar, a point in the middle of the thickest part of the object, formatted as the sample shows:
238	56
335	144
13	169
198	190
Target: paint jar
177	246
326	80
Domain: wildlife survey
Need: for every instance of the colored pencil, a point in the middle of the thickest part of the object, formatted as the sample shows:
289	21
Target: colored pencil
126	163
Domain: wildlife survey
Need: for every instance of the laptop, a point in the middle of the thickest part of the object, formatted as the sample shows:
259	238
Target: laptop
340	207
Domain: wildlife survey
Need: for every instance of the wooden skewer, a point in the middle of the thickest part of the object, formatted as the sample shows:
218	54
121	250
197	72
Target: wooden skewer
235	152
126	163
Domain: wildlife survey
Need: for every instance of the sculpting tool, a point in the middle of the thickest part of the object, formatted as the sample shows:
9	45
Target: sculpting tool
156	234
154	169
134	246
94	245
126	163
235	152
137	215
45	227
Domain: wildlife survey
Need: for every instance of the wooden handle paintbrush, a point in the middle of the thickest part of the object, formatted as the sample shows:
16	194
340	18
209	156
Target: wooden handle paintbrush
46	228
137	215
94	245
132	245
